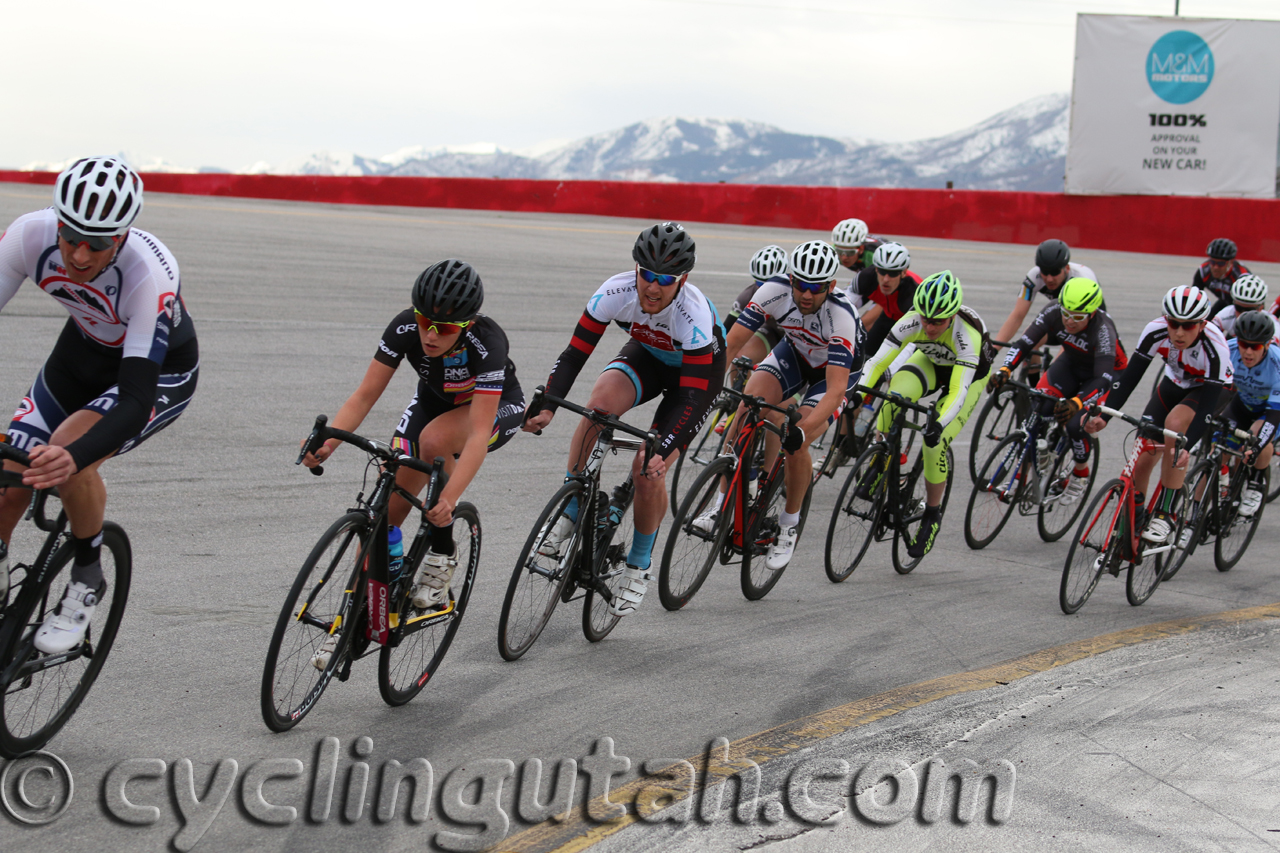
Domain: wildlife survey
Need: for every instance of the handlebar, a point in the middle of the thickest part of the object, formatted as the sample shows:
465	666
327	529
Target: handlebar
541	397
1030	389
8	451
322	432
1217	423
1144	425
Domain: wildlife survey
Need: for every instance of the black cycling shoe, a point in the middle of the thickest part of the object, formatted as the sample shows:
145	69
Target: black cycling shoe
930	523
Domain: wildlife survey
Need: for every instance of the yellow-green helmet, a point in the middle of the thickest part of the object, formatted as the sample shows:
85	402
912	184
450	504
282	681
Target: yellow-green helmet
938	296
1080	295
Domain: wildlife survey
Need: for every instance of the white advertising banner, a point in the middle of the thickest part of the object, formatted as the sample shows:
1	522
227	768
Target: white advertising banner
1174	106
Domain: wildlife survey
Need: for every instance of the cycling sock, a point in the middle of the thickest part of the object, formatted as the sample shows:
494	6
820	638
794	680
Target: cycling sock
788	519
87	550
1169	502
442	540
1081	469
571	508
90	575
641	554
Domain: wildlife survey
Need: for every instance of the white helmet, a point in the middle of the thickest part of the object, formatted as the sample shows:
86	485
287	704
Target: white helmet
768	262
1187	303
849	234
814	262
893	257
1249	289
98	196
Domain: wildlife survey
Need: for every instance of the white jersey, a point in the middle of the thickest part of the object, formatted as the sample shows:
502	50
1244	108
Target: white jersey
688	323
1034	282
828	335
131	306
1208	360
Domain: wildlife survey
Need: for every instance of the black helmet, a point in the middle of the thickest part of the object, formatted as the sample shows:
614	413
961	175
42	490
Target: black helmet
1221	249
667	249
449	291
1255	327
1052	256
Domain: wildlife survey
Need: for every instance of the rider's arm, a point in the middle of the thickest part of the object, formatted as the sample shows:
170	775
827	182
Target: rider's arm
13	265
1026	342
357	407
1019	313
1123	387
739	335
968	343
567	367
898	337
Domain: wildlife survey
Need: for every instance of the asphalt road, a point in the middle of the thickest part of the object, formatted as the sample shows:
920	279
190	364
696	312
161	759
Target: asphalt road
289	302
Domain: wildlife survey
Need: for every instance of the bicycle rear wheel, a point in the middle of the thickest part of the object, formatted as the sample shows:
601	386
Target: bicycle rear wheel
995	493
1198	504
855	518
611	562
420	638
996	420
538	579
1237	530
1092	549
40	692
757	578
321	602
701	451
1053	519
913	497
689	553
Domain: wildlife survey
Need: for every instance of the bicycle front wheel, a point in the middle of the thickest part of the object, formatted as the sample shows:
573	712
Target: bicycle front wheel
40	692
995	493
611	562
1237	530
757	577
320	604
690	552
857	514
912	493
1092	549
997	419
1055	518
420	638
540	575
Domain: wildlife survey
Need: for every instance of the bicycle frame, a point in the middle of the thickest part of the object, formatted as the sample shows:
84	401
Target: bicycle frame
737	494
1030	431
891	444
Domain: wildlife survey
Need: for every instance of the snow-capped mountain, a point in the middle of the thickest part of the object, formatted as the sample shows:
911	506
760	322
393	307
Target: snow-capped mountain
1023	148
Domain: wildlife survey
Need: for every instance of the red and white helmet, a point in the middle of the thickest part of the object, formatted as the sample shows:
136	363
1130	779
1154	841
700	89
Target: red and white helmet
1187	303
98	196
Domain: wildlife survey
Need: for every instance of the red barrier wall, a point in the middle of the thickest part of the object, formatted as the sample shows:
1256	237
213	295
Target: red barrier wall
1173	225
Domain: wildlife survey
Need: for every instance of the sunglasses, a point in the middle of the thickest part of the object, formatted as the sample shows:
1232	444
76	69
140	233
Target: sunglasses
1181	324
940	321
1250	344
809	286
1075	316
661	279
97	243
846	252
1056	272
440	328
889	273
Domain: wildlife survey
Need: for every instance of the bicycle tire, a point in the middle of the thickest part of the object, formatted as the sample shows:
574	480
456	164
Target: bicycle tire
1051	524
420	639
685	568
611	562
698	450
1195	514
289	659
1274	468
913	503
756	576
1092	548
1236	531
854	519
37	701
538	581
989	509
1001	406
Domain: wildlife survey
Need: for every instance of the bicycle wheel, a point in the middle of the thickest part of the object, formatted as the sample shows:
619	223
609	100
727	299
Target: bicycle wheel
1054	519
854	519
320	602
757	578
689	553
40	692
912	494
1237	530
611	561
1274	469
995	493
997	419
1092	549
1197	506
538	579
420	638
701	451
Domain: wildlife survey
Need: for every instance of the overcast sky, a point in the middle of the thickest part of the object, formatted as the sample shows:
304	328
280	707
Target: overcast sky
233	83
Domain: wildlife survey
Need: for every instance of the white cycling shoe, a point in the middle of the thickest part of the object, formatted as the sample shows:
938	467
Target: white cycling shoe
431	586
782	549
320	659
1074	490
64	628
1250	502
1159	530
635	583
707	521
555	538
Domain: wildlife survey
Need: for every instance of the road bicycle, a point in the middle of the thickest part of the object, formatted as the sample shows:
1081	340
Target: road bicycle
706	446
880	498
592	557
746	523
1003	411
1214	488
346	591
40	692
1109	536
1028	470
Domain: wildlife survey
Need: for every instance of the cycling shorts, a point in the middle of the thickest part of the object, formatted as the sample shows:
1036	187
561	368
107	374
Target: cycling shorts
651	378
919	378
1169	394
426	407
796	377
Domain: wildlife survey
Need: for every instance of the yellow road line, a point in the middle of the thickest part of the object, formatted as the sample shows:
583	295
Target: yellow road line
579	833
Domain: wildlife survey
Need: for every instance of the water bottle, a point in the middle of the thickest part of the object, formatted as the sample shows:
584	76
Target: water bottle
753	483
863	422
1044	457
395	550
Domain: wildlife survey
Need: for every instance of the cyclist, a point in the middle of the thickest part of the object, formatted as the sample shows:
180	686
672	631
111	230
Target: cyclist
467	404
767	265
1092	359
1052	270
1255	362
884	291
99	393
820	356
1197	364
854	245
676	351
1216	275
953	355
1248	293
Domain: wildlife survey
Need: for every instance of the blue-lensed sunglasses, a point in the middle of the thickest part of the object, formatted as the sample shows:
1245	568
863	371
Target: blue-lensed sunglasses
661	279
809	286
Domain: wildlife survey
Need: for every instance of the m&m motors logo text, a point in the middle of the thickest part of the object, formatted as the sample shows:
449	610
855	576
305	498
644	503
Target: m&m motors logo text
1180	67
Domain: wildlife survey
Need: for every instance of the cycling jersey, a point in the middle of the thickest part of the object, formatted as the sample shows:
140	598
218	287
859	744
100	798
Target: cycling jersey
830	335
1258	387
1219	287
868	252
480	365
1034	282
770	332
1096	349
1226	320
865	290
127	328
